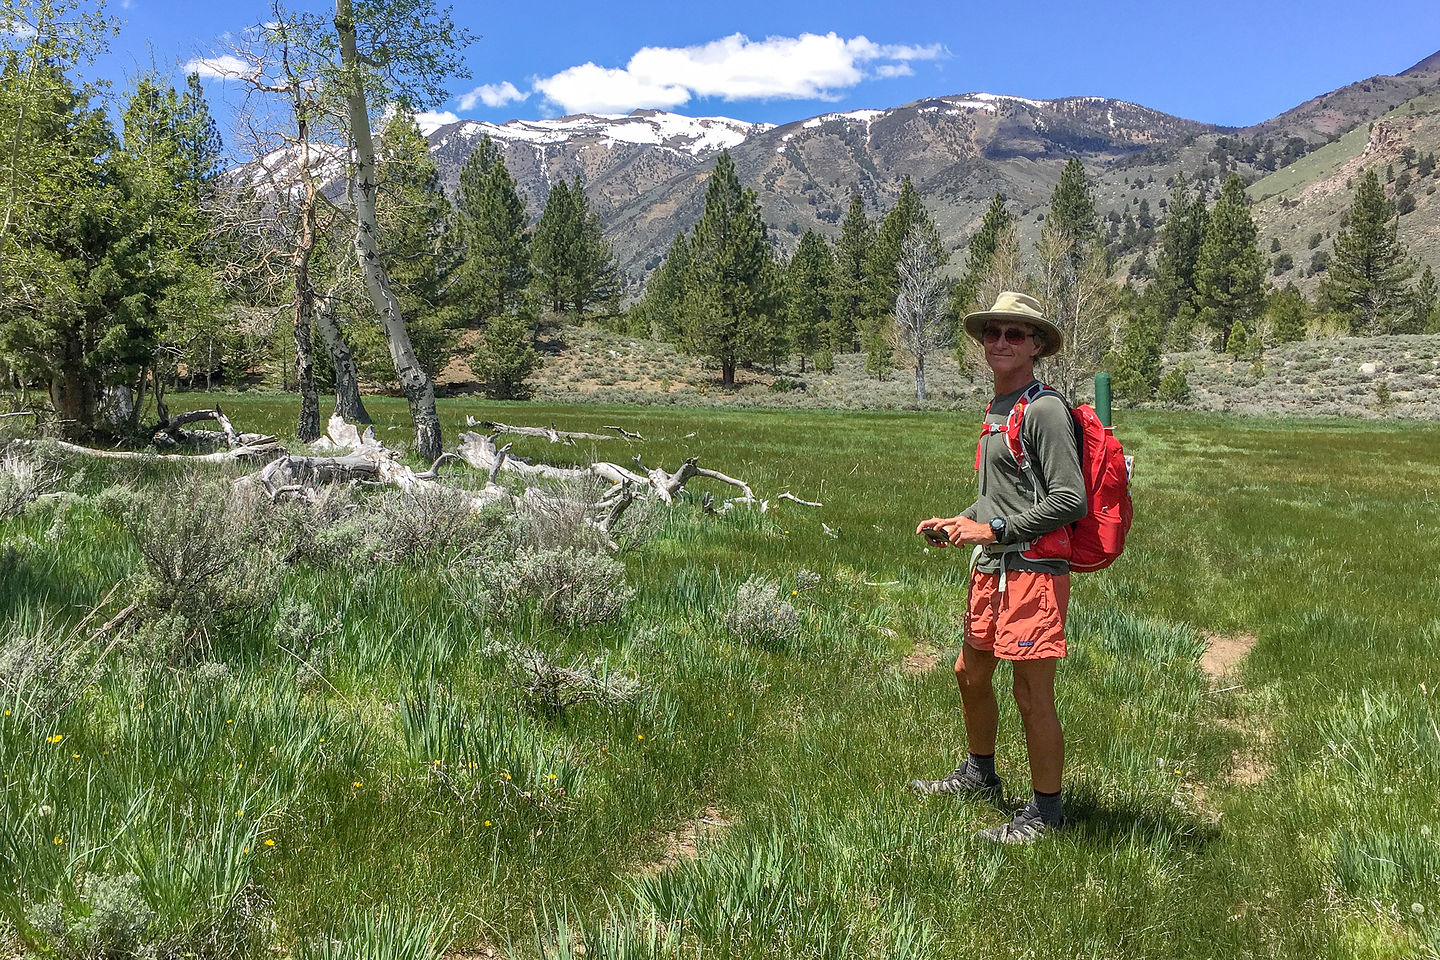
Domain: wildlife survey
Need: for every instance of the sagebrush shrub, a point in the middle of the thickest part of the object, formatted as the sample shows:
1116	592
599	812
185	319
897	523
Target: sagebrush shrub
759	616
431	522
109	919
569	586
23	480
206	566
44	670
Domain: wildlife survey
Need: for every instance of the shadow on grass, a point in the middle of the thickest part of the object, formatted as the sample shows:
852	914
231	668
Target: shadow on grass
1109	822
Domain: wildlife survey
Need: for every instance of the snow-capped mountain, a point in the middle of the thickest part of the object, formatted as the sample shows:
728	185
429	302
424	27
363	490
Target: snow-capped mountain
696	136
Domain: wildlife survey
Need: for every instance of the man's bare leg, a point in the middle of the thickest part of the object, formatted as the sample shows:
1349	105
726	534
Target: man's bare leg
1044	741
974	670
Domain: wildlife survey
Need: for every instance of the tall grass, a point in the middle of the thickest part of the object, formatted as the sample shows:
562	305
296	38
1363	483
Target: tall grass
362	739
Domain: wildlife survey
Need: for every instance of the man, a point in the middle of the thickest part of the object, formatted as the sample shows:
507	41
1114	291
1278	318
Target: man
1020	581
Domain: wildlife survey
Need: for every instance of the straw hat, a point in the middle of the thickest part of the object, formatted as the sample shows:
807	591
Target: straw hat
1016	306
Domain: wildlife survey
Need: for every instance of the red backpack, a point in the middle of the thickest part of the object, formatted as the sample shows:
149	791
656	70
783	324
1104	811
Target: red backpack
1096	539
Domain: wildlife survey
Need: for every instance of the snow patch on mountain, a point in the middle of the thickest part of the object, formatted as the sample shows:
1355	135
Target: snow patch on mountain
859	116
697	136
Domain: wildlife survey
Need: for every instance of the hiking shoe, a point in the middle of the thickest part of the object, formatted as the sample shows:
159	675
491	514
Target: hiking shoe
962	780
1027	826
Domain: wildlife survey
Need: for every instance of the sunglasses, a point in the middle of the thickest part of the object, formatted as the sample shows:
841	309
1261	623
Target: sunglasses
1011	335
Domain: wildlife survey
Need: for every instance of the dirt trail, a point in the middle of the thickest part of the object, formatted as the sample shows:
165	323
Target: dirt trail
683	843
1223	652
1220	661
922	659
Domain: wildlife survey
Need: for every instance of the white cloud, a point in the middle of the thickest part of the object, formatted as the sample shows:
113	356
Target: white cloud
219	68
430	121
808	67
887	70
492	95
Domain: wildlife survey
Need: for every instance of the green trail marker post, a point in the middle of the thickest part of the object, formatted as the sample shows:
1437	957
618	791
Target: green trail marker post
1102	397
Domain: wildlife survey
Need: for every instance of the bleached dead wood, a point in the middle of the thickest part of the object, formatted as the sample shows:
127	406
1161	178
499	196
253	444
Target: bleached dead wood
627	434
265	448
787	495
171	432
365	460
548	433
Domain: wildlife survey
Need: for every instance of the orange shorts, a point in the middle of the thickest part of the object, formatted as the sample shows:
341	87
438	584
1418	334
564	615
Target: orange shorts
1025	622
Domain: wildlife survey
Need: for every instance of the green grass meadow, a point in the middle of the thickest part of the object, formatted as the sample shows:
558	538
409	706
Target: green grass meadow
409	803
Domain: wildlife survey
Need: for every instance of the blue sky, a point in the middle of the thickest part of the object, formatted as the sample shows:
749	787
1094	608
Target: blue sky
1229	62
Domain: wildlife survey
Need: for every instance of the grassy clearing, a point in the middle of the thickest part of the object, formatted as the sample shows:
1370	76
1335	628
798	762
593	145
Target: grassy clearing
227	800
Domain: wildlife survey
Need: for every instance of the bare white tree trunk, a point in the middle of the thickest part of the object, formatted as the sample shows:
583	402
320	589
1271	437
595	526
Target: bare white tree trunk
1078	298
415	383
348	404
918	329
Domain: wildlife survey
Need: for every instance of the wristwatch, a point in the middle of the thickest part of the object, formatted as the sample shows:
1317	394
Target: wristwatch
997	527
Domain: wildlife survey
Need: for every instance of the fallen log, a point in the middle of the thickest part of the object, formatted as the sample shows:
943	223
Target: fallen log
547	433
171	432
265	448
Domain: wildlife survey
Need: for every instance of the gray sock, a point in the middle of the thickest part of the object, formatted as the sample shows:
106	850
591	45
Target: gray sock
1050	807
984	765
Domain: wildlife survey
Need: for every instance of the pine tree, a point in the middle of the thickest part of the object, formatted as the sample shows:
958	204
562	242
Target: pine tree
78	244
1073	283
505	355
732	300
494	233
1237	341
1072	206
808	296
555	246
573	264
1289	314
965	294
1427	303
168	158
1230	270
1137	363
1370	267
1174	286
882	275
857	235
661	309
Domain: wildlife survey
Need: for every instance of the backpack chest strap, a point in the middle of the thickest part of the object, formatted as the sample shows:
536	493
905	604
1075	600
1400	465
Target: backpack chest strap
1011	426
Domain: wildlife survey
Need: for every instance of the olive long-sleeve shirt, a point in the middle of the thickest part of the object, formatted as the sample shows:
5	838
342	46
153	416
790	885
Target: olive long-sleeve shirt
1047	433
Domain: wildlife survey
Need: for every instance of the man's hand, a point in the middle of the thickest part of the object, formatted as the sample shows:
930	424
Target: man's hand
959	531
935	531
964	532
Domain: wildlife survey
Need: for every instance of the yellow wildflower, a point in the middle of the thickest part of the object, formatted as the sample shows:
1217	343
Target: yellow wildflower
357	784
58	841
269	843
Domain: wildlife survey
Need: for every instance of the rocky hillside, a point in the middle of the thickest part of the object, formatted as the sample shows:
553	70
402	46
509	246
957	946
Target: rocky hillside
645	171
621	158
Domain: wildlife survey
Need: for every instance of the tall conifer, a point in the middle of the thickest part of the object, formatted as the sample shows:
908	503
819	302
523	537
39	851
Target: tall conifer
732	300
494	233
808	297
1230	270
857	235
1370	268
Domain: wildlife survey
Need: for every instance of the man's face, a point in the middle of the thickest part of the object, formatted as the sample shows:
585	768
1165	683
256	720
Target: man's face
1011	345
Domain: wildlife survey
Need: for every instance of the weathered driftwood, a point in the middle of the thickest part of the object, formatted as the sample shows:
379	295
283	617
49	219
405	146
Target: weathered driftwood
364	460
548	433
265	448
170	432
480	452
627	434
787	495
